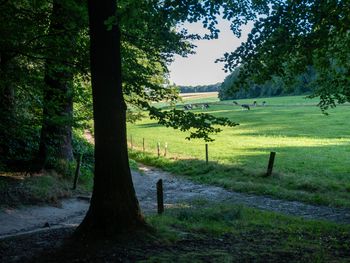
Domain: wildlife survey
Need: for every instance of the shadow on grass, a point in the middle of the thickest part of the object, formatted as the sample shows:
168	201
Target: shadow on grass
149	125
210	233
254	181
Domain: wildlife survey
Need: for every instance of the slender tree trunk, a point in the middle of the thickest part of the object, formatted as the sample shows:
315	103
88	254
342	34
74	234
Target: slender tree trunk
114	207
56	133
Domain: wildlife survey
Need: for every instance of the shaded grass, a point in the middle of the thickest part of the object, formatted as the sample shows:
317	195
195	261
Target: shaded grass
48	186
226	233
205	232
17	189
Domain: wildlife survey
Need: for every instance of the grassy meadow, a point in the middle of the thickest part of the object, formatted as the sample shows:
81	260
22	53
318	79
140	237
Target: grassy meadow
312	149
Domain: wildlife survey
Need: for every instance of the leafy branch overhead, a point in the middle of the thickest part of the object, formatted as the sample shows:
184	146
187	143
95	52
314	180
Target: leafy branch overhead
293	37
152	34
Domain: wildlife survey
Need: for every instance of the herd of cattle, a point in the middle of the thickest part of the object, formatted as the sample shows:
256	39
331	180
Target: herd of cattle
196	106
206	105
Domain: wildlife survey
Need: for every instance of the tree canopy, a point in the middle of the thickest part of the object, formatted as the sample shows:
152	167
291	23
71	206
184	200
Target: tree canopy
293	36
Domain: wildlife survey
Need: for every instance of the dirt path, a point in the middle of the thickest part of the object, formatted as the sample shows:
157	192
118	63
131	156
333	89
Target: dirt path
177	191
34	218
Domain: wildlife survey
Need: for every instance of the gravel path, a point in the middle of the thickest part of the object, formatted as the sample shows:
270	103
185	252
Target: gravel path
177	191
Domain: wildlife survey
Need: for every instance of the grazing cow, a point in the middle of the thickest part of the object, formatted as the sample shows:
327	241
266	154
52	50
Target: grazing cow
245	106
188	107
255	103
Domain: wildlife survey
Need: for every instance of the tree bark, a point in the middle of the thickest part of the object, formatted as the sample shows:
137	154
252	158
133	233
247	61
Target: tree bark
114	207
56	132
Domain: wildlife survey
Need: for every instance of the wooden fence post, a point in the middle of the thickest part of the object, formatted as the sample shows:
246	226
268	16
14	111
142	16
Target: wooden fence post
206	154
77	171
271	162
160	200
158	149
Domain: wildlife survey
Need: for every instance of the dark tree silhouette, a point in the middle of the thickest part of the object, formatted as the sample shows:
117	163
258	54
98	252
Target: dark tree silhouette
114	206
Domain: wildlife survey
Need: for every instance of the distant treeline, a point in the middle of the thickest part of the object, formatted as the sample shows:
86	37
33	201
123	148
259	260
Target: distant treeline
298	85
229	89
202	88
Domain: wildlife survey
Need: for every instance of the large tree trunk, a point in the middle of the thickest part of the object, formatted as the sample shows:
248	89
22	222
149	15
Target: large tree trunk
56	133
114	207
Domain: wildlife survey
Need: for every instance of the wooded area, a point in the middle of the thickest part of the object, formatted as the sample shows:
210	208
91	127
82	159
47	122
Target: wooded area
45	89
302	84
50	52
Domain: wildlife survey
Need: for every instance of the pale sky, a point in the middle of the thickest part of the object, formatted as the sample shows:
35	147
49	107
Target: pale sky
200	68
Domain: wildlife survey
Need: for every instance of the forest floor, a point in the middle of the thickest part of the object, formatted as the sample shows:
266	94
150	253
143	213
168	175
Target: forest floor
50	226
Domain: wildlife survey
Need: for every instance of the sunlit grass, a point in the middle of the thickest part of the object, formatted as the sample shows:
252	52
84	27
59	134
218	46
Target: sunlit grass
312	149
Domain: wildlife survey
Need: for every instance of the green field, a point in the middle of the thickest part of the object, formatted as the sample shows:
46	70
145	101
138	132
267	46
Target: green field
313	150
